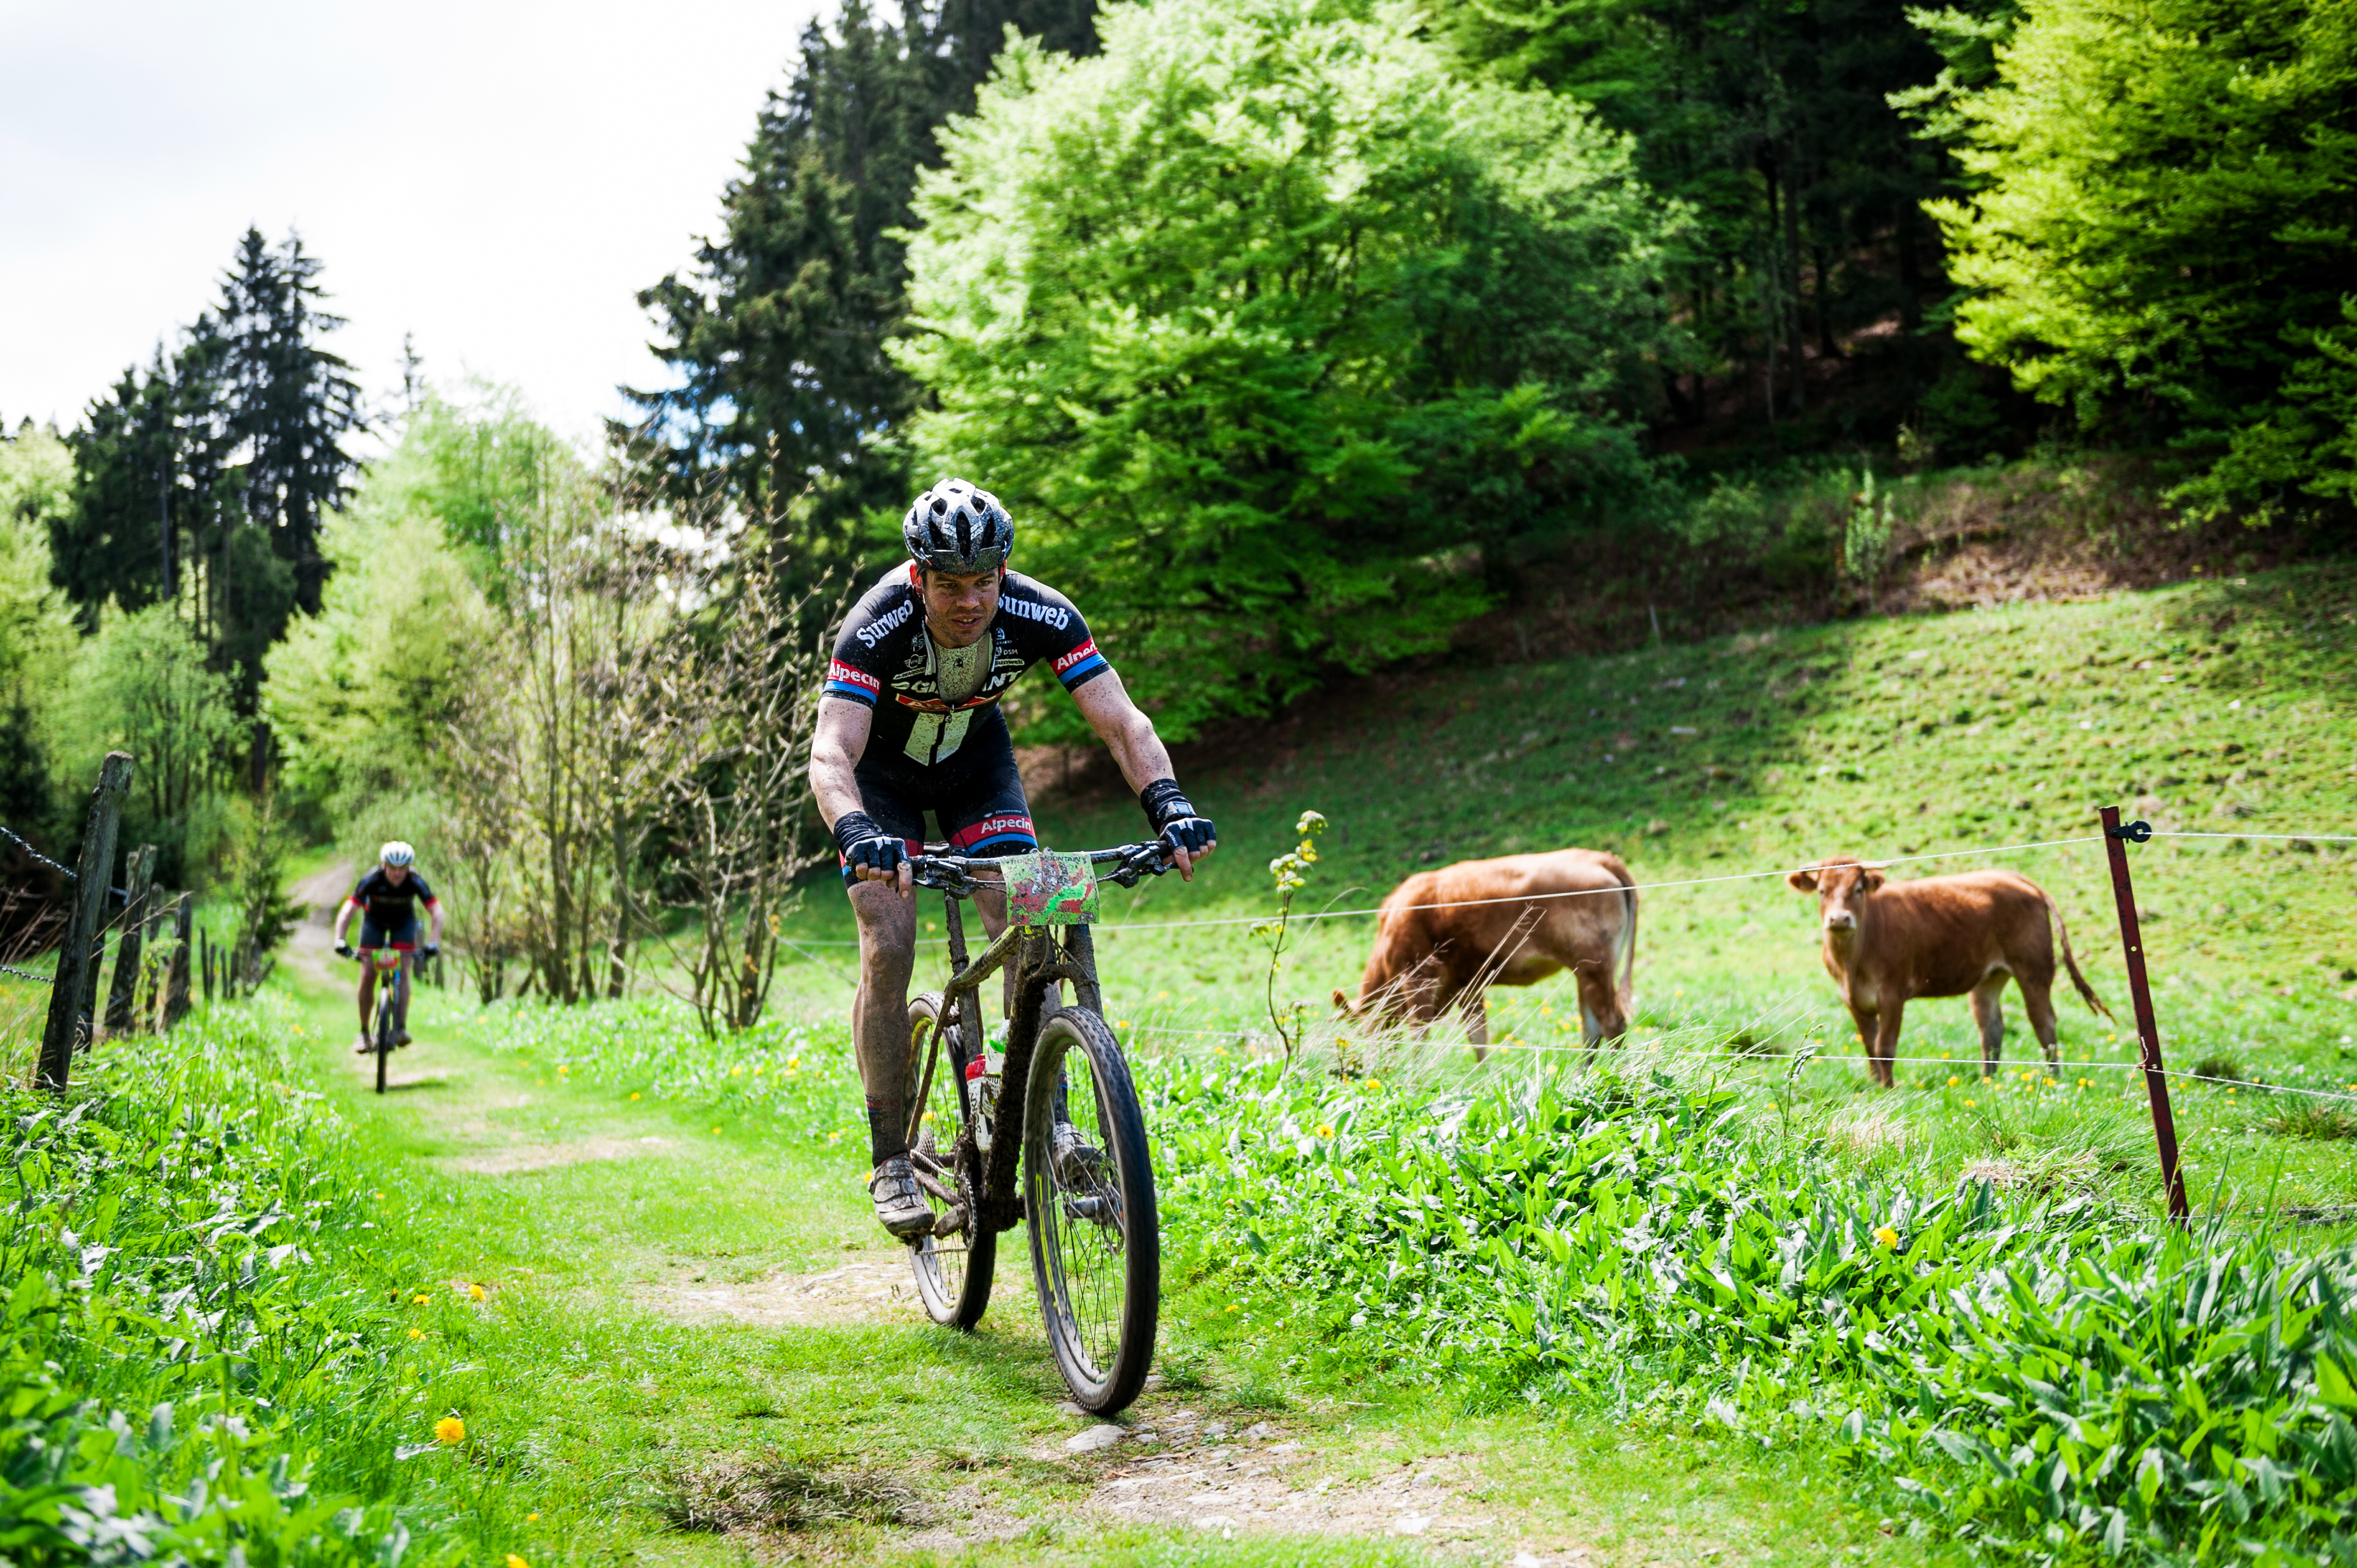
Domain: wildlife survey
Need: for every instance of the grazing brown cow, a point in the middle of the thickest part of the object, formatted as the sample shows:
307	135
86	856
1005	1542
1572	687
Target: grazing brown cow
1888	942
1445	937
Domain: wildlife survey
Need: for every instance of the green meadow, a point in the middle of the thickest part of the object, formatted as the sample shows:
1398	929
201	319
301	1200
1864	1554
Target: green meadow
1706	1298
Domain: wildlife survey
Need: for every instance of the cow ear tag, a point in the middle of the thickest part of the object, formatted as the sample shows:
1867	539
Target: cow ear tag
1050	889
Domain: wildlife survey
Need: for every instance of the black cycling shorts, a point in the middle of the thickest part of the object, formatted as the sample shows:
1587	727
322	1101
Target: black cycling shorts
402	938
977	796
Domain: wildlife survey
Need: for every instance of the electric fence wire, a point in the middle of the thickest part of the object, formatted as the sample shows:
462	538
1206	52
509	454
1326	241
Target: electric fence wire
1641	886
1646	1053
28	974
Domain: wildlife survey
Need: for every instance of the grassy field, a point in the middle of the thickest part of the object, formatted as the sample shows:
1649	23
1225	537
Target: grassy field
1632	1313
2227	708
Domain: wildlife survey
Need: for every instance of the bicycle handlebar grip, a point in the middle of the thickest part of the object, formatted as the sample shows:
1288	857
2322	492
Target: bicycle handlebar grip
344	950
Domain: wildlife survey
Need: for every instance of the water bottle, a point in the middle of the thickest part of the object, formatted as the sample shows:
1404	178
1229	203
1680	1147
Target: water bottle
981	1084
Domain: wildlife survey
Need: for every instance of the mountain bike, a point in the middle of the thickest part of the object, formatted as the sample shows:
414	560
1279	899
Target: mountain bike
1061	1114
388	1005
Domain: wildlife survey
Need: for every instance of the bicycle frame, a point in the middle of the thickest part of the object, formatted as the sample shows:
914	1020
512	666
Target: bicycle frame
1041	962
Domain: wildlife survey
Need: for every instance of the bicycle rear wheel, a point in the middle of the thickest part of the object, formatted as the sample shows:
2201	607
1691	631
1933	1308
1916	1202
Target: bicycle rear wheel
955	1264
1088	1192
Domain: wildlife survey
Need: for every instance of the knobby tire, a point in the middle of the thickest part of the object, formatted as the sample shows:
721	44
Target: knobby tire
1088	1193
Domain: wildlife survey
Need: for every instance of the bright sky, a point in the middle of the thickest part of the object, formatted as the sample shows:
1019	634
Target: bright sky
497	177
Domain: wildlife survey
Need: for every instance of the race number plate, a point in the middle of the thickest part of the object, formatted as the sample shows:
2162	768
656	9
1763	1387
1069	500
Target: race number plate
1050	889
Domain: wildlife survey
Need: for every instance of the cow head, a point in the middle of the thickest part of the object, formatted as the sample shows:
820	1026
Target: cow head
1842	884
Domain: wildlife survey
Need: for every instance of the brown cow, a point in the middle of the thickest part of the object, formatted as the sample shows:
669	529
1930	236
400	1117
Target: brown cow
1888	942
1445	937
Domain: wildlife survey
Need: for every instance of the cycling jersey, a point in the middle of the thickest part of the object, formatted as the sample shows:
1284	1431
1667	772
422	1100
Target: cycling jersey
389	908
929	701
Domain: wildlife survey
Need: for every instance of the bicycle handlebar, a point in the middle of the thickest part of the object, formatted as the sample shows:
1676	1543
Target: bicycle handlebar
954	874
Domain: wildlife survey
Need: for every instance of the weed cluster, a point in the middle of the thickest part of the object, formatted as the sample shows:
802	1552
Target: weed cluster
2049	1379
195	1365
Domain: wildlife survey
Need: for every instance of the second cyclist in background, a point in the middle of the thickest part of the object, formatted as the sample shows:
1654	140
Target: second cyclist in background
386	901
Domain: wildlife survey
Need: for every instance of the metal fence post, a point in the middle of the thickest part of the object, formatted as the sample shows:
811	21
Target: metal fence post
125	987
69	1015
2156	1081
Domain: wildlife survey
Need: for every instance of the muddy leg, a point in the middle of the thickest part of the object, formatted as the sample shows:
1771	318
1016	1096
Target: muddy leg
2038	1000
1886	1040
1988	1012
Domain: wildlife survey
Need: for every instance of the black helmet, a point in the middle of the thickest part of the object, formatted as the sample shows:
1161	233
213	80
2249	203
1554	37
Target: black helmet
955	528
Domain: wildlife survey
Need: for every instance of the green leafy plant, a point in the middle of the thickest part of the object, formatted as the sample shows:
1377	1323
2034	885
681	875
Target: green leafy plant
1290	873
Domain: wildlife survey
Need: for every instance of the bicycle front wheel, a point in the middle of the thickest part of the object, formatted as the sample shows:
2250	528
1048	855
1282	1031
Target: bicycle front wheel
953	1264
1088	1192
384	1038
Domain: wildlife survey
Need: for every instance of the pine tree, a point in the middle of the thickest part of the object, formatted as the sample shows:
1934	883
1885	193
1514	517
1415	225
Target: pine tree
201	480
785	396
291	401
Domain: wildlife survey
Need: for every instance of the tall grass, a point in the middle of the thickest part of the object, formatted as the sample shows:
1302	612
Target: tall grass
200	1359
2052	1380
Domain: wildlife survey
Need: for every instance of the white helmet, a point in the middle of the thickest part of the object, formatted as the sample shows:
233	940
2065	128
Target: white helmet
396	854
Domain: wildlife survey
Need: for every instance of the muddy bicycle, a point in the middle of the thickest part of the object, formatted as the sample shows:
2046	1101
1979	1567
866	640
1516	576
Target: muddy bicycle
1059	1114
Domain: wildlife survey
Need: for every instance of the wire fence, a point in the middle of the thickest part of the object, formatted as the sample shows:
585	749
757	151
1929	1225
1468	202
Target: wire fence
1634	887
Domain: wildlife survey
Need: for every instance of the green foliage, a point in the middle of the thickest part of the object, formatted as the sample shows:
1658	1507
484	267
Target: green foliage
478	469
196	1363
2045	1381
1285	343
1771	121
776	339
143	685
361	694
36	632
2161	240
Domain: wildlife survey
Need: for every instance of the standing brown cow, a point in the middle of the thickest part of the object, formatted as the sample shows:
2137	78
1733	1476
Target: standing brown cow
1443	937
1886	943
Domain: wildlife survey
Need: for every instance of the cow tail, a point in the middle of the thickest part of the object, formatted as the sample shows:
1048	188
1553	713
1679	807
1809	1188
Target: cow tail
2071	963
1629	959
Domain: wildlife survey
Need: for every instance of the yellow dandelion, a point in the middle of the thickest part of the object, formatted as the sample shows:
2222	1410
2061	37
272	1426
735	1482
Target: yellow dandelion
516	1562
1886	1235
450	1429
794	1060
1954	1080
634	1094
419	1300
532	1519
1235	1306
475	1293
1374	1083
377	1193
716	1129
1324	1128
417	1334
1968	1105
736	1072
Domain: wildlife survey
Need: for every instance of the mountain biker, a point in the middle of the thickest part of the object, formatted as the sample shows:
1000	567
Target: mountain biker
387	899
908	723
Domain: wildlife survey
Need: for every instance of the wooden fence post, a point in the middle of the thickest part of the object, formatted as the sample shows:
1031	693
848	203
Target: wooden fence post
175	1003
68	1016
125	987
